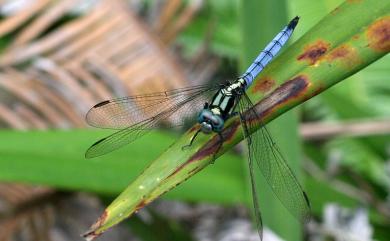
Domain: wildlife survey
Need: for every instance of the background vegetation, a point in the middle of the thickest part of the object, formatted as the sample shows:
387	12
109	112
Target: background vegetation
348	167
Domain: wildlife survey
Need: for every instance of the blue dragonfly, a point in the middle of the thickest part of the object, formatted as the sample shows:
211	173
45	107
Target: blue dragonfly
135	116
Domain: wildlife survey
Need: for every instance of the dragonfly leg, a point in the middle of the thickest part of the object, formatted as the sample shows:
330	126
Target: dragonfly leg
191	141
233	114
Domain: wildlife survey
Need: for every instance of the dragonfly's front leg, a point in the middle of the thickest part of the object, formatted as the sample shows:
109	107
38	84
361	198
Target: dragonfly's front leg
220	142
192	140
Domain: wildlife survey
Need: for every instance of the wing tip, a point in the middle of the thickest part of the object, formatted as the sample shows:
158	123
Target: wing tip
94	144
89	117
307	199
101	104
307	216
89	153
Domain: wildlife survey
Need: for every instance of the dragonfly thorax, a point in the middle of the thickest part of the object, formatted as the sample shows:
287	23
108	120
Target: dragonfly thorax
235	88
213	116
226	98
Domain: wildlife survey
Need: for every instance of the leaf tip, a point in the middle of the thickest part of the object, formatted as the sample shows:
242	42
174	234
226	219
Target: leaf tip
90	235
94	231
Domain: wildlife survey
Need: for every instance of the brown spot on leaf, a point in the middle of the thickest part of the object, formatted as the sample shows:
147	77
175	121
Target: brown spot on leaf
378	35
294	87
286	92
340	52
354	1
345	53
264	85
140	205
313	52
356	37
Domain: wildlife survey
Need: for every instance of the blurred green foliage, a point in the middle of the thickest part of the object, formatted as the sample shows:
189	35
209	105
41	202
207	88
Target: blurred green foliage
221	19
56	158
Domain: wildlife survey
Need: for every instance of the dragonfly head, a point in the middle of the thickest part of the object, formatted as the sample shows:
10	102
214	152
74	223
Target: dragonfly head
210	121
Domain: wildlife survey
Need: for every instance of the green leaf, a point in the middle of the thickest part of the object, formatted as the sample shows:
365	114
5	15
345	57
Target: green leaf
51	157
317	61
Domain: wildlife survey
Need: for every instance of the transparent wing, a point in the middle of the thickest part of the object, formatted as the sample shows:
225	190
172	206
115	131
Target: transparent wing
155	109
268	158
256	204
251	159
124	112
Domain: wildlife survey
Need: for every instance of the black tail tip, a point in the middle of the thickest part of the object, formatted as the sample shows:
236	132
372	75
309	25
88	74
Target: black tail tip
293	22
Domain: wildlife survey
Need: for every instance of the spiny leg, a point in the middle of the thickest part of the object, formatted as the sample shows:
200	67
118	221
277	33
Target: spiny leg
192	140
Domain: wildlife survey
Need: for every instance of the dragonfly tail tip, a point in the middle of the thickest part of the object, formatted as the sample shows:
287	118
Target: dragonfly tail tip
293	22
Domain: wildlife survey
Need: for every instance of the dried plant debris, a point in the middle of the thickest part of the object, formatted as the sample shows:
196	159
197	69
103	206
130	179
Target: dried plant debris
41	214
30	213
65	56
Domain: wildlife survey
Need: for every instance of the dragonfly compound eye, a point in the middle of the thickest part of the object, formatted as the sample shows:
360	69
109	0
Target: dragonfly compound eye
217	123
206	127
204	116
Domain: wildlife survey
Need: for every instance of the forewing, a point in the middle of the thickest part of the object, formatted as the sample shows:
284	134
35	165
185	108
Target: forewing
128	111
265	153
183	105
119	139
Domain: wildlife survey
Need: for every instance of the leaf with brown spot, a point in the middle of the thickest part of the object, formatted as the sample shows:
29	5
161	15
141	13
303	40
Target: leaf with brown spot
378	35
314	51
344	53
264	85
294	84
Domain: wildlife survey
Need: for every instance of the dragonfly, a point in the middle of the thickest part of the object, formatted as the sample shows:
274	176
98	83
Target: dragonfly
137	115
